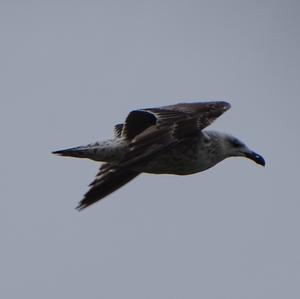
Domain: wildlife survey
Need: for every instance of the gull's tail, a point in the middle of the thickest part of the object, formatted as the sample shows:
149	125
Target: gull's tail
103	151
76	152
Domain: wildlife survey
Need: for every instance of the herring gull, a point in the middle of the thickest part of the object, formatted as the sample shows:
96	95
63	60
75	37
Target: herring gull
163	140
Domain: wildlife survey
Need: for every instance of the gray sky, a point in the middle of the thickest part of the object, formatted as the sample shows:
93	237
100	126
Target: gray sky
69	71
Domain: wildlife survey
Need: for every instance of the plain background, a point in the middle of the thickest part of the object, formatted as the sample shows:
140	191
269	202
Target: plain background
69	71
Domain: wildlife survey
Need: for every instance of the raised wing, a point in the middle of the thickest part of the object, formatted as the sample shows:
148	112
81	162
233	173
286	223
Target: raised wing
152	130
199	115
108	180
189	115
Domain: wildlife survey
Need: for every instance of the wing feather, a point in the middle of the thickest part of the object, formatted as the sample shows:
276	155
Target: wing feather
196	115
118	130
108	180
166	126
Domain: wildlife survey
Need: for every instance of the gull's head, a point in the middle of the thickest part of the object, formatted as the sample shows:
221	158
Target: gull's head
236	148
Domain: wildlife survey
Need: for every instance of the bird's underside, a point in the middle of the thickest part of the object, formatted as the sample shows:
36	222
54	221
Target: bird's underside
151	140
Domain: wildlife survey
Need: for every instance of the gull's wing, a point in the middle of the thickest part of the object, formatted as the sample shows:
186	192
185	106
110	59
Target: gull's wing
152	130
199	115
108	180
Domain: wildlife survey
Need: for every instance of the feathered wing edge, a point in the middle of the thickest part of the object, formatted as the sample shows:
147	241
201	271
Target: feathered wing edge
108	180
196	115
172	124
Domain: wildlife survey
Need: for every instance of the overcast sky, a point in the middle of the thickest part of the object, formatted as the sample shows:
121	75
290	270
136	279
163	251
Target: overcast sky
69	71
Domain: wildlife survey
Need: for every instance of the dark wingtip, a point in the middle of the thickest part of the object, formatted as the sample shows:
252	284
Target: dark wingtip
80	207
83	205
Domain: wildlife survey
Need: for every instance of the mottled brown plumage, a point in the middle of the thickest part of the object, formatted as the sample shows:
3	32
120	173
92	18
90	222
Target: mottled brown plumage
167	139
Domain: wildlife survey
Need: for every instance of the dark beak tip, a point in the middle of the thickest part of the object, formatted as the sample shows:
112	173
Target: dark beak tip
258	159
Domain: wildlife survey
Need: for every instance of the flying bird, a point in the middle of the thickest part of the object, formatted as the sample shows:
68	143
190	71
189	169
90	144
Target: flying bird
164	140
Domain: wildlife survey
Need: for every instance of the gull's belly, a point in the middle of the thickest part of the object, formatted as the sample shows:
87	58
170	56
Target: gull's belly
180	160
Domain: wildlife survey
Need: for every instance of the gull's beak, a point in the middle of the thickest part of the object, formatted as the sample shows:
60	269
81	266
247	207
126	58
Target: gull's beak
255	157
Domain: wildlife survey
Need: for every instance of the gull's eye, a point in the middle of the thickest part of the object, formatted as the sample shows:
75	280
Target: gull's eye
236	143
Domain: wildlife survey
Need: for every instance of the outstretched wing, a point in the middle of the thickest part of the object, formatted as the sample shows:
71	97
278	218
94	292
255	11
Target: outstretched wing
199	115
152	130
108	180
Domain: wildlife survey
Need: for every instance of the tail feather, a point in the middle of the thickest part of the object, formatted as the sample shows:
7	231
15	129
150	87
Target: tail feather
111	150
77	152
